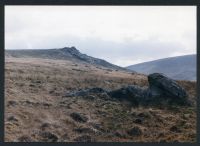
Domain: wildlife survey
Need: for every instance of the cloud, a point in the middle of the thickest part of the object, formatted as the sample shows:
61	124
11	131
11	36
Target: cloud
123	35
125	54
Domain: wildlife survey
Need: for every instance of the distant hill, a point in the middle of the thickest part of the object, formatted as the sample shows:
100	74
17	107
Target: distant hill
66	53
180	67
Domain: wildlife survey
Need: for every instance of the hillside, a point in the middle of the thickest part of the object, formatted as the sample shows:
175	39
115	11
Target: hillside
45	101
66	53
179	68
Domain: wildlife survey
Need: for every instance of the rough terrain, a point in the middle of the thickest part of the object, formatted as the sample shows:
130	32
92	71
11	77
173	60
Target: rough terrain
37	108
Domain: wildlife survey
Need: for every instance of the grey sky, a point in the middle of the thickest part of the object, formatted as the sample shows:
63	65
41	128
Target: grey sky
123	35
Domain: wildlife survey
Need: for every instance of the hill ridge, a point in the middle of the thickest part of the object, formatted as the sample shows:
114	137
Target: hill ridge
180	67
66	53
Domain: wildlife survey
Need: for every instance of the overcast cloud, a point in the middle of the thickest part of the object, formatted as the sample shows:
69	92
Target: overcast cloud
123	35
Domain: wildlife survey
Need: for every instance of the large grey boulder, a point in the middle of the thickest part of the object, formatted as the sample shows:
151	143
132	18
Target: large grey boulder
79	117
160	85
164	87
161	90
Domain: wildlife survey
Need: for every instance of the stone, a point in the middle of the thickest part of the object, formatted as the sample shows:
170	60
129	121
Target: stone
161	91
128	92
131	93
164	87
105	97
12	103
25	139
161	85
135	131
48	137
12	118
120	134
186	116
79	117
98	126
138	121
45	126
83	130
90	97
175	129
85	92
144	115
97	90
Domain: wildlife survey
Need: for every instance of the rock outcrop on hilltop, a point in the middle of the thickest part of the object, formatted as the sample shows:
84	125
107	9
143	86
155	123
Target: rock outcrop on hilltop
66	53
161	90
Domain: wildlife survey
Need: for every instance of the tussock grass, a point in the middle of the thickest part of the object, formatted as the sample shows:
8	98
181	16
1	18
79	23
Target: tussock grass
32	83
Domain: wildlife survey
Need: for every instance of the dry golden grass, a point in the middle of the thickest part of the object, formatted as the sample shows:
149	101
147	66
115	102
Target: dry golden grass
34	89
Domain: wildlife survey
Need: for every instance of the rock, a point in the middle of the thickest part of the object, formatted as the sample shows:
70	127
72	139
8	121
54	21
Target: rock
97	126
46	104
38	81
135	131
76	93
48	137
79	117
85	92
90	97
12	118
25	139
105	97
83	130
84	138
186	116
97	90
162	90
127	92
144	115
32	85
132	93
138	121
11	103
162	86
165	90
51	92
45	125
120	134
175	129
